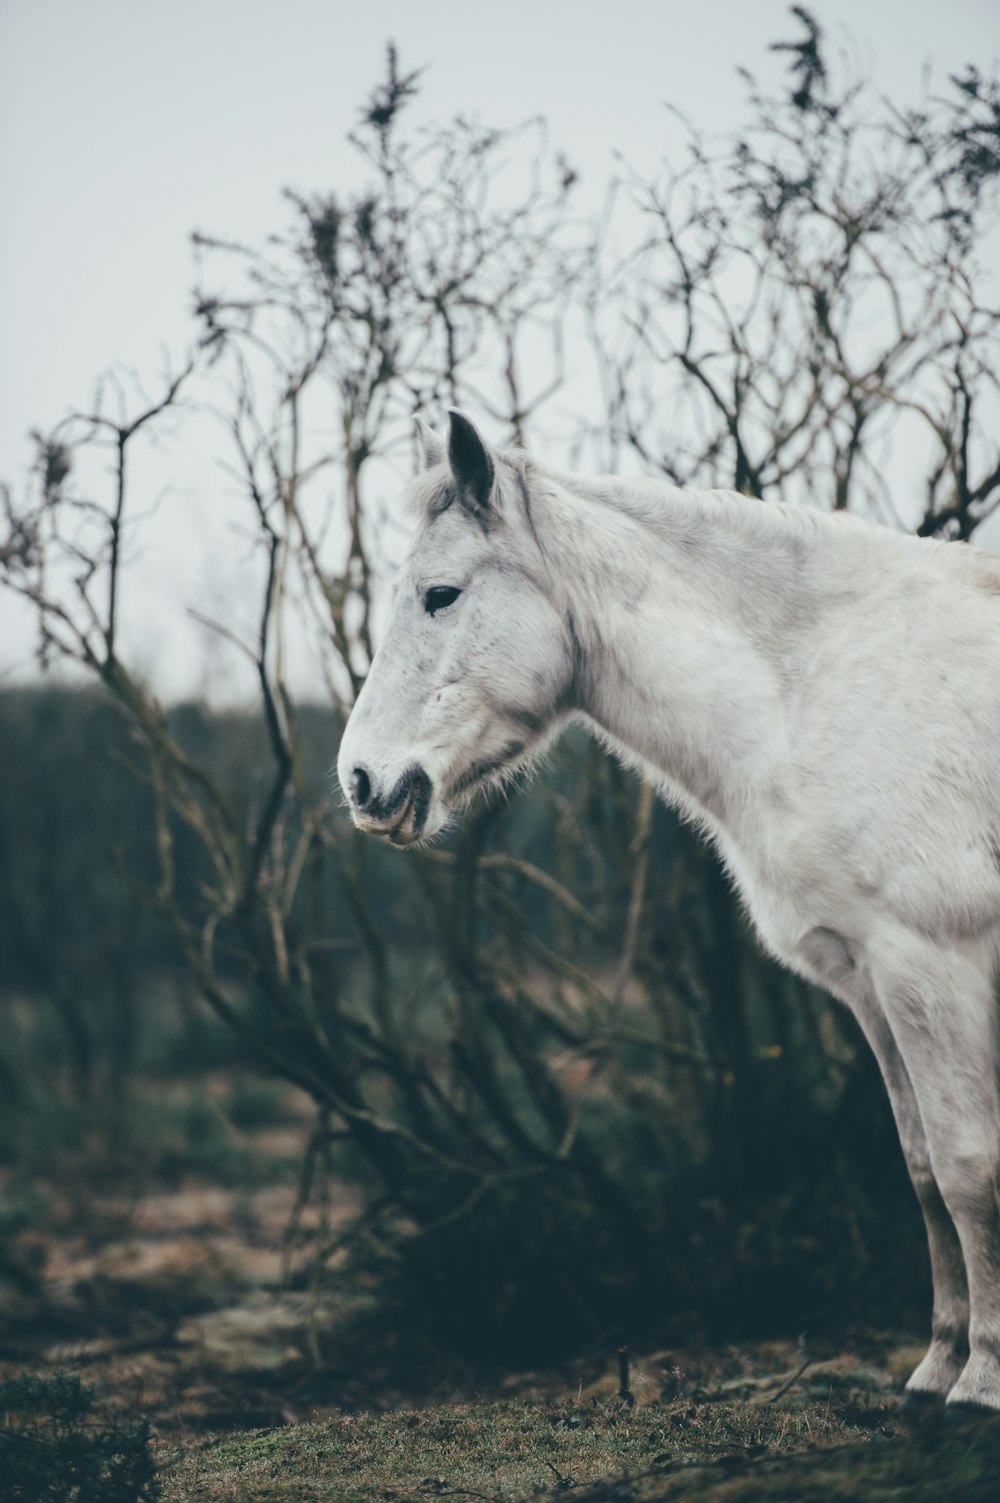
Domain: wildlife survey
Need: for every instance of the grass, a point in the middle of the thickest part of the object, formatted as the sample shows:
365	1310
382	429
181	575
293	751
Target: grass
512	1450
601	1451
934	1465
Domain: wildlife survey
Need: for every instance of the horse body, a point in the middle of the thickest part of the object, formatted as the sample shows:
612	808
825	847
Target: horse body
821	696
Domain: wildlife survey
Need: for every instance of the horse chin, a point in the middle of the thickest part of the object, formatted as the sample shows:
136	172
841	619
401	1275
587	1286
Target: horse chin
438	817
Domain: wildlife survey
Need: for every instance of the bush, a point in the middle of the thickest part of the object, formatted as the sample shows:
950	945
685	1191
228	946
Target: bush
57	1447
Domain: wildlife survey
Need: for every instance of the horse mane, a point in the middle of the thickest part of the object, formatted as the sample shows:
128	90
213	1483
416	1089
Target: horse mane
673	513
677	513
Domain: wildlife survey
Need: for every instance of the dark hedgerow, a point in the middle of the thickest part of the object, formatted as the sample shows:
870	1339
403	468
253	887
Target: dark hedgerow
56	1446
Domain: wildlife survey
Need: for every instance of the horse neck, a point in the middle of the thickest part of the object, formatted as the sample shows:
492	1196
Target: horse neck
690	624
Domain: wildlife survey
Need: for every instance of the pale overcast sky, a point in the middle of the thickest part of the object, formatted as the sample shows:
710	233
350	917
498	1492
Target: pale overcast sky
125	125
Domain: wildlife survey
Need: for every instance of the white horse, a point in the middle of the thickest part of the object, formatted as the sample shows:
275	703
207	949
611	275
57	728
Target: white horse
820	695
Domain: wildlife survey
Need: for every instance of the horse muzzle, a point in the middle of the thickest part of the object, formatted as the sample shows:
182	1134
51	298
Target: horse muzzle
399	812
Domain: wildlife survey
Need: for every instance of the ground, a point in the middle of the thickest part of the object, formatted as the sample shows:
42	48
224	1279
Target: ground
180	1297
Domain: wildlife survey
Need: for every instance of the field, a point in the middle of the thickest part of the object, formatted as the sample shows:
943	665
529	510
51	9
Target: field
166	1278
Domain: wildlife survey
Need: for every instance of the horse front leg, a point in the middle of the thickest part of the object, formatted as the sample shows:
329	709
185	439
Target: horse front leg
941	1006
825	957
942	1364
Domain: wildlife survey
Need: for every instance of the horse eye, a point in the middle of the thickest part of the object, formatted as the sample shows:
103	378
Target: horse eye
439	597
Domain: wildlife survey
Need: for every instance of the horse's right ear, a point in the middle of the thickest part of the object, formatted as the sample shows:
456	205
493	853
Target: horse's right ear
471	463
435	452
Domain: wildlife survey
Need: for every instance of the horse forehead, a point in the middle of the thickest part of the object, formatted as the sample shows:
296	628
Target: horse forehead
444	539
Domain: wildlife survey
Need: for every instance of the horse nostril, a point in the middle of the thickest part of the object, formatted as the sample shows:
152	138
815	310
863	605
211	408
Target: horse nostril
361	787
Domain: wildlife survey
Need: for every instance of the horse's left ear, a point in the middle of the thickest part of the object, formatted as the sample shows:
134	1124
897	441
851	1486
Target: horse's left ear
471	462
435	452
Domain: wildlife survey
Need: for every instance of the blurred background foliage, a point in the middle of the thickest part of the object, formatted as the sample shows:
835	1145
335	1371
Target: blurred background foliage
579	1100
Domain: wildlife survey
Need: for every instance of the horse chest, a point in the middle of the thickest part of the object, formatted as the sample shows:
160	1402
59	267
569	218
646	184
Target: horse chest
806	898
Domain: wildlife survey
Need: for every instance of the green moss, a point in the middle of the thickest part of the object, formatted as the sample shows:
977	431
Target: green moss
510	1451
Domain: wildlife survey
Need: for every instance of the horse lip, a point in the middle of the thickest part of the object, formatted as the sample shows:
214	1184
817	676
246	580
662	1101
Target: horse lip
394	831
399	835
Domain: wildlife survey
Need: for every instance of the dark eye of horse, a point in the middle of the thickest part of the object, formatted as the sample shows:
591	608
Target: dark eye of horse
439	597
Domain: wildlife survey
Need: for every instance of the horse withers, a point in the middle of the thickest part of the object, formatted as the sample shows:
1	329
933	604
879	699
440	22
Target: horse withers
820	695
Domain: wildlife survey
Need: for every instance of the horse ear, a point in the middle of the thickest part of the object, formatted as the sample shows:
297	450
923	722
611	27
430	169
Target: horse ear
435	452
471	462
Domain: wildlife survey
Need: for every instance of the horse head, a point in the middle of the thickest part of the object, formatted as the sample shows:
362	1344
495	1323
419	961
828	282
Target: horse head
475	672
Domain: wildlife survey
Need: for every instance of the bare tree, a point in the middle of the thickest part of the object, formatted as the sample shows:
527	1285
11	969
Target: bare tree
809	298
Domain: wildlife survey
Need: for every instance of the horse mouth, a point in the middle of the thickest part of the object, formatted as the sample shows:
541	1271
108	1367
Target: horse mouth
412	820
407	828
